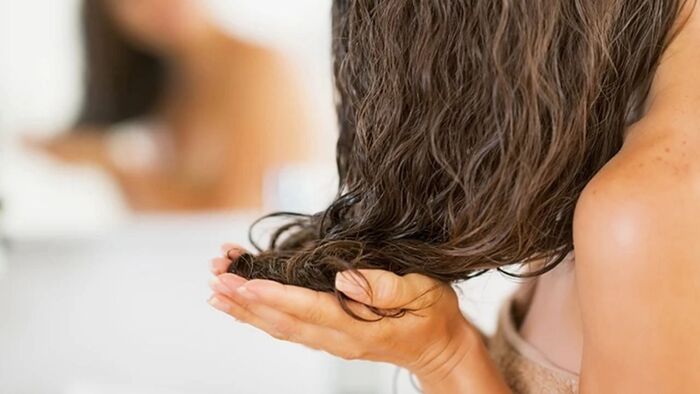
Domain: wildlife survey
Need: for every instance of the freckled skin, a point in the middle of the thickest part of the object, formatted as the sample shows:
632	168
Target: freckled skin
635	236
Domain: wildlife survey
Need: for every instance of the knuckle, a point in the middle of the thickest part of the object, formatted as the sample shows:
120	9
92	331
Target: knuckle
244	305
425	292
435	295
242	315
233	310
282	330
388	288
314	315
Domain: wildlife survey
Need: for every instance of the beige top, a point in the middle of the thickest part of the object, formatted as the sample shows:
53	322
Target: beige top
526	369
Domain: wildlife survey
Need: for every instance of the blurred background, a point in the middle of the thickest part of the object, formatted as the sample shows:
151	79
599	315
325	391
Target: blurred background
136	136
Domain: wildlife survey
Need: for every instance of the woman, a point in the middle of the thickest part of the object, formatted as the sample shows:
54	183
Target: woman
558	135
184	116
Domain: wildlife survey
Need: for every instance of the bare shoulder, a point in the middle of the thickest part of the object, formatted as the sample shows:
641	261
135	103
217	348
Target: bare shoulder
645	199
637	247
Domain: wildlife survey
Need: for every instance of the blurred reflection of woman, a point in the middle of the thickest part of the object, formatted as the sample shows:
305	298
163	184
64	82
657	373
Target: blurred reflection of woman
184	116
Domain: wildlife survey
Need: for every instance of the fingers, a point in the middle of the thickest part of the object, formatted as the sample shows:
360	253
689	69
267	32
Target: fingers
281	325
219	265
377	288
386	290
227	283
307	305
230	252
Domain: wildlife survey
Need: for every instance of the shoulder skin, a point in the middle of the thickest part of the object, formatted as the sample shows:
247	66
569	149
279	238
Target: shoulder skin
637	245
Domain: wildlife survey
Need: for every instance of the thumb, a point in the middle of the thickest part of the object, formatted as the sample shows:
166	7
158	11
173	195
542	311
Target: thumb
384	289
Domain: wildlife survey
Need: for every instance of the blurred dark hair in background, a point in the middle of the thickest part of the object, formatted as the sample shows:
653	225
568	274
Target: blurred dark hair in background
122	80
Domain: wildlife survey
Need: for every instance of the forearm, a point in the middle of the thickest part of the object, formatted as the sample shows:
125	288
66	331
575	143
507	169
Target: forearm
467	368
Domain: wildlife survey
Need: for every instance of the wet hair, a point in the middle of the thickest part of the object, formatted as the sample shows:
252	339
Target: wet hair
122	80
468	129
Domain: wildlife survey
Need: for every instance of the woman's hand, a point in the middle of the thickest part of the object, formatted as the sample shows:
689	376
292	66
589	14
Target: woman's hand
73	147
430	342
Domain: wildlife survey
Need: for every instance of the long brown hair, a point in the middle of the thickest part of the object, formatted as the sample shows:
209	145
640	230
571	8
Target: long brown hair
468	129
122	80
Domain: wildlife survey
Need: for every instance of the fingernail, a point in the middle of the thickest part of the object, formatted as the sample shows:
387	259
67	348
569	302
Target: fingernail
218	286
246	293
232	281
218	304
349	284
212	265
233	253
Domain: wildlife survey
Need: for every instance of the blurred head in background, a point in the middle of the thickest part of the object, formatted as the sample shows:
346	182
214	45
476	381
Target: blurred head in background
126	46
182	114
159	25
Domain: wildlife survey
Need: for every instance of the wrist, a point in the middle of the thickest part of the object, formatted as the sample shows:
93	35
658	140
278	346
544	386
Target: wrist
463	367
449	356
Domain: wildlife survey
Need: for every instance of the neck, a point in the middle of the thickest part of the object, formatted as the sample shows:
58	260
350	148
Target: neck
200	56
676	86
195	71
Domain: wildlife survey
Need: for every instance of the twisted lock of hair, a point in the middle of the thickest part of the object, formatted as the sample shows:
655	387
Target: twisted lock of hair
468	129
